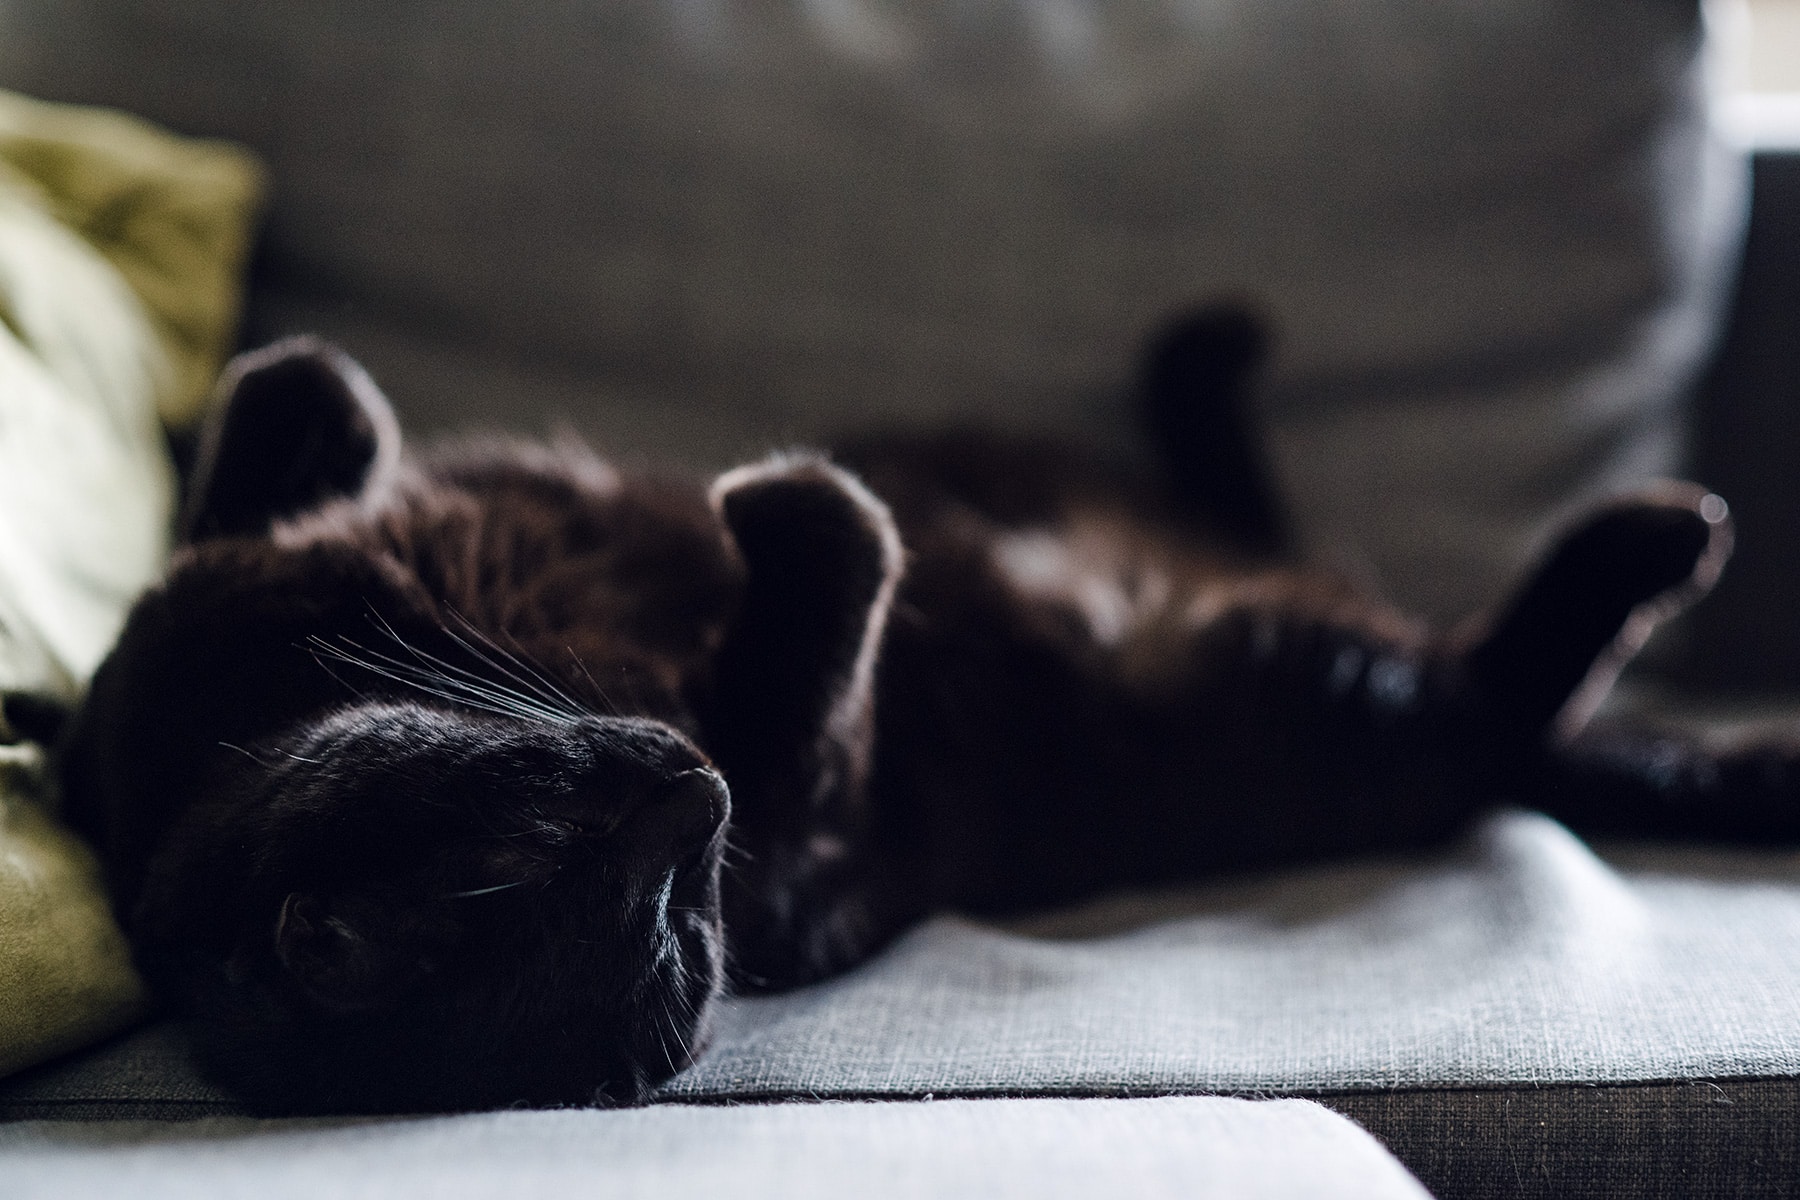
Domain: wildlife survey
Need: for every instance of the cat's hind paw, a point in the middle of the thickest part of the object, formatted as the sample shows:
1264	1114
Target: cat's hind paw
1593	600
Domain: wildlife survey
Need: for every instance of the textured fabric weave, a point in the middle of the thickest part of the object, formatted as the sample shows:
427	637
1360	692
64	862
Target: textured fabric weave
1494	234
1526	959
1448	1005
1731	1140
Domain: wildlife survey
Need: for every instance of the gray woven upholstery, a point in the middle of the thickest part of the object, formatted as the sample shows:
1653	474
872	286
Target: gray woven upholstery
1525	959
1496	237
1733	1139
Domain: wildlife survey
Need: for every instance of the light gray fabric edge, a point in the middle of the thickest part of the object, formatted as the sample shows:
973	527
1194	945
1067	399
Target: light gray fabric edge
1029	1149
1524	959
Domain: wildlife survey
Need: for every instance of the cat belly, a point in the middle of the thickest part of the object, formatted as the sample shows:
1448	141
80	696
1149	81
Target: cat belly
1079	707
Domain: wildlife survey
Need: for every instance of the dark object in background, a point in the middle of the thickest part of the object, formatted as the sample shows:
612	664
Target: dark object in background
1746	446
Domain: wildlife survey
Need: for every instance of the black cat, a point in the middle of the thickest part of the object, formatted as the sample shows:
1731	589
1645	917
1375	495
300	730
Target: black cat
473	779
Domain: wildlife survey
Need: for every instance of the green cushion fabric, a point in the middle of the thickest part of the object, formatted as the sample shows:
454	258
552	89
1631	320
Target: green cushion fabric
172	216
120	248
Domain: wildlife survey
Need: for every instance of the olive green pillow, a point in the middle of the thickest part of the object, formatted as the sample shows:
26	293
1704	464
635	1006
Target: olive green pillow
121	252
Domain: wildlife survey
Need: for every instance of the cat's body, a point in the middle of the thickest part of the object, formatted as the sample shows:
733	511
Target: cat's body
472	779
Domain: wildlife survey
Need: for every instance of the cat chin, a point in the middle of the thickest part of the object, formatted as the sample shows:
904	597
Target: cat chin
555	1024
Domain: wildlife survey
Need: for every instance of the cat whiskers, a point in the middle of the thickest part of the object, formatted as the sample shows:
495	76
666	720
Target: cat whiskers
673	1027
483	891
539	689
592	682
665	1028
534	677
733	856
445	680
259	761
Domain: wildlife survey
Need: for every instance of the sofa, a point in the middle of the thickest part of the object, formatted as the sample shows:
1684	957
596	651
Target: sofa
1514	261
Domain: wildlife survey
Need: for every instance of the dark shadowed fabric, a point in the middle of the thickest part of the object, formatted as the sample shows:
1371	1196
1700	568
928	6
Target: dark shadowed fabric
1745	636
1690	1139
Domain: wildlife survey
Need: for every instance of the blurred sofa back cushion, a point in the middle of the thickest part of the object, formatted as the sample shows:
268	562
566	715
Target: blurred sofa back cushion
1494	234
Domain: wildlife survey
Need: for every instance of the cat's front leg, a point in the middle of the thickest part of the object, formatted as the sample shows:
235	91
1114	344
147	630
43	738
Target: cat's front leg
789	719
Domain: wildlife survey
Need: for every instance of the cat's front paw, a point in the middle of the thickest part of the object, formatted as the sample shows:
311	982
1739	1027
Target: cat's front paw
791	717
811	529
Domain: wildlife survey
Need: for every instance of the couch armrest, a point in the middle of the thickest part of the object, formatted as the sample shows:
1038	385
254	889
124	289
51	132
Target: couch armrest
1747	446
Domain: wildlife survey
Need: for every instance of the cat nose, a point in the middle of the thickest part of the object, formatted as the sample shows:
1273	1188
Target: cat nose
681	817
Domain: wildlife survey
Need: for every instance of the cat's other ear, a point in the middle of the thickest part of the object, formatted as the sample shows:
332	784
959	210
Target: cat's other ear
295	424
822	558
349	958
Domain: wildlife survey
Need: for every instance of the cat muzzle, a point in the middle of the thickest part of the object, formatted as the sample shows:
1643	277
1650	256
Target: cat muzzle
681	819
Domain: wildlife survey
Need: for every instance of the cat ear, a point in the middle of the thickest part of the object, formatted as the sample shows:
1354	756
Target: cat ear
346	960
1553	651
794	679
296	424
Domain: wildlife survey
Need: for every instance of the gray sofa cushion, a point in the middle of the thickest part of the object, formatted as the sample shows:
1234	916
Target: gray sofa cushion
1495	235
1525	959
1522	959
1505	1019
1029	1149
1693	1138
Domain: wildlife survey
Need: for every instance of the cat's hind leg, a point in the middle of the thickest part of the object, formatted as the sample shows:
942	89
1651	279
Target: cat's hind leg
1195	390
1619	780
1549	655
1545	663
1361	734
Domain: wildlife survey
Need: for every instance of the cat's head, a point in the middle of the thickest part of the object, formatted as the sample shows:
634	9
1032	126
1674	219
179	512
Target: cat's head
412	804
